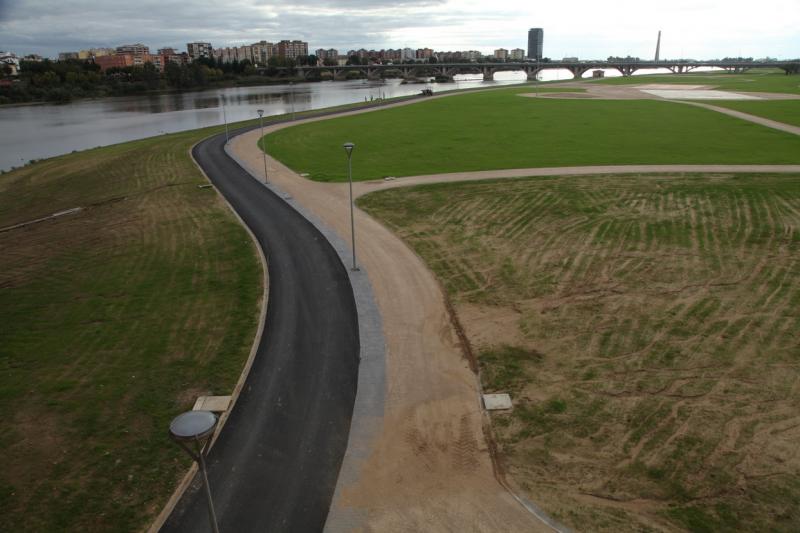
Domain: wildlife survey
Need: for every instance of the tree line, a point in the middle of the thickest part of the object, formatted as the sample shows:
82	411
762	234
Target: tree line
62	81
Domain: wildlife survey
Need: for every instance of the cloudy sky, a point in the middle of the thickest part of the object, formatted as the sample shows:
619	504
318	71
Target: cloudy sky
700	29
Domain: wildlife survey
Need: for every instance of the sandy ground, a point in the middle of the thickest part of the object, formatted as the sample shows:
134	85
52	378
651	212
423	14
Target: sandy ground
430	467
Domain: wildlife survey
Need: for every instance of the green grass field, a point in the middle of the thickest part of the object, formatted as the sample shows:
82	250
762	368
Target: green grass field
786	111
756	80
646	328
114	320
499	129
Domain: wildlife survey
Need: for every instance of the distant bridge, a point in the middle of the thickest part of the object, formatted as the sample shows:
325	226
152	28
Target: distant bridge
531	68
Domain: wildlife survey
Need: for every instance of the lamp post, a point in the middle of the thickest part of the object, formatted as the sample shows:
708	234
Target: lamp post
264	143
291	89
196	427
348	147
225	119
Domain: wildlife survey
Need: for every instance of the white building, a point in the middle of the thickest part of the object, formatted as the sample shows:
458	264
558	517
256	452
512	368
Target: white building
517	54
408	54
10	59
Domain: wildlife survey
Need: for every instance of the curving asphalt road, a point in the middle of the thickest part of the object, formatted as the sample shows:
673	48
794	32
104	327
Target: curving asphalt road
275	464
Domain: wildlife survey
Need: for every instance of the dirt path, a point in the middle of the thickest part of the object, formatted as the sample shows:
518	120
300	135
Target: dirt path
429	468
774	124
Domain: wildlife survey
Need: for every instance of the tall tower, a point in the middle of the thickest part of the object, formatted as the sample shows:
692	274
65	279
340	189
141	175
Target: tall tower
658	45
535	38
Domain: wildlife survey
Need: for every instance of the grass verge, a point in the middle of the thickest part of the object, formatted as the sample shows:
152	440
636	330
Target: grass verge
500	129
646	329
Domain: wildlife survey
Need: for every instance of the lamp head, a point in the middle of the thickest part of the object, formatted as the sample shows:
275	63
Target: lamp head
348	147
193	426
260	112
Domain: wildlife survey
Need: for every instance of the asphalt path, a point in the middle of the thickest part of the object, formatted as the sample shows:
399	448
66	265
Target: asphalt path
275	464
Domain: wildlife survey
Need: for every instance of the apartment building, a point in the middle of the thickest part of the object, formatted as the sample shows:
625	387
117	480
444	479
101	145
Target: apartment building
291	49
116	60
261	52
199	49
139	52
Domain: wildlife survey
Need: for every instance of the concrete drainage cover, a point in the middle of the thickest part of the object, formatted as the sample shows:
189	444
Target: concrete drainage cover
496	402
215	404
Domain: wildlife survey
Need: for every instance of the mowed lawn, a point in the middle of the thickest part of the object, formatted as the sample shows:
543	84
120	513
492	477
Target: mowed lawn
756	80
500	129
786	111
114	320
646	328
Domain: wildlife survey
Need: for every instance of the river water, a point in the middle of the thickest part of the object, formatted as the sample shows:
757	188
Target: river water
37	131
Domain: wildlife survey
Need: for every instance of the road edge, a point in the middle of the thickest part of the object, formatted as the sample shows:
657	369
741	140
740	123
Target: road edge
177	494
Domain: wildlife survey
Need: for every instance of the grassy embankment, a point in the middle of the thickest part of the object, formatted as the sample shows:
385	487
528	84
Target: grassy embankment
756	80
646	328
500	129
114	320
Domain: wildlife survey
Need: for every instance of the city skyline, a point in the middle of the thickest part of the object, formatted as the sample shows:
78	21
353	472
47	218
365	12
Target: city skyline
704	29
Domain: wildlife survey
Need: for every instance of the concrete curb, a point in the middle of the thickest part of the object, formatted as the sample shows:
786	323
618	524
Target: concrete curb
367	420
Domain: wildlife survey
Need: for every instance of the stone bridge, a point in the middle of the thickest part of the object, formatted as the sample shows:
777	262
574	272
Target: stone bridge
530	68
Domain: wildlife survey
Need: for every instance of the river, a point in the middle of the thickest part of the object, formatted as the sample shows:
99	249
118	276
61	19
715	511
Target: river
31	132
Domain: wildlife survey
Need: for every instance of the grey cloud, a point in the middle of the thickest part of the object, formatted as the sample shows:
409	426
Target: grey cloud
48	27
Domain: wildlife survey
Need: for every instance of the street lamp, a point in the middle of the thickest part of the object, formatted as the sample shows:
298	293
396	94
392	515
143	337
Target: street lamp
348	147
197	427
291	89
225	119
263	143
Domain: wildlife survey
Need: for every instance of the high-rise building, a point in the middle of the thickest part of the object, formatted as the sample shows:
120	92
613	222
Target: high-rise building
535	39
197	50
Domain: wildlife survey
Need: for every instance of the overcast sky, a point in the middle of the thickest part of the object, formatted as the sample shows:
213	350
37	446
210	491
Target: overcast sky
700	29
